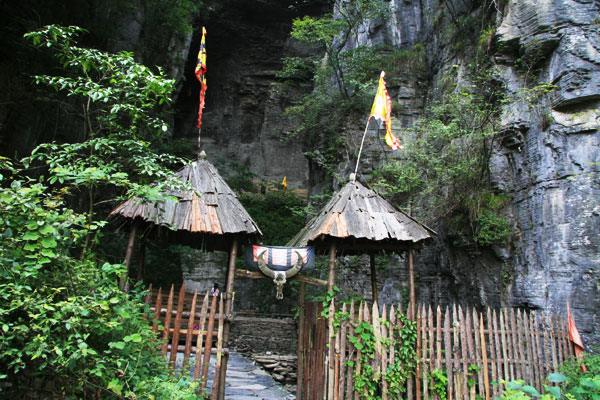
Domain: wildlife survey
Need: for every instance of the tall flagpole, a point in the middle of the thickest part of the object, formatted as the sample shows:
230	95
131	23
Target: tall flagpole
199	146
362	142
200	72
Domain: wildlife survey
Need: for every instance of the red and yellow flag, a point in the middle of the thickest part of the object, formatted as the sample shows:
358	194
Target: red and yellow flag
575	338
382	110
284	183
200	72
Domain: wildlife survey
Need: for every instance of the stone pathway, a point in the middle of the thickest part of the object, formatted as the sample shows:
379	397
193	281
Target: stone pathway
246	381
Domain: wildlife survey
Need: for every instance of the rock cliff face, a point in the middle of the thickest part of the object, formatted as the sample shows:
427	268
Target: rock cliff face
551	164
546	159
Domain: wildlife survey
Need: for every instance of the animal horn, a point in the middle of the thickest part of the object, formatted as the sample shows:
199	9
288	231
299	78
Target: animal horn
263	267
293	271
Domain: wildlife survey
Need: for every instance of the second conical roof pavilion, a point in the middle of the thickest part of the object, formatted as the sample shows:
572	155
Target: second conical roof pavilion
358	220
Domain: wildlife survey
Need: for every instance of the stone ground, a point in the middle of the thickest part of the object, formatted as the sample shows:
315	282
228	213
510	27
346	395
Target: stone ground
246	381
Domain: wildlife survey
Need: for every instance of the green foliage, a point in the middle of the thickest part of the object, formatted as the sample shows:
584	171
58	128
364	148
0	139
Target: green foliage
66	329
576	385
445	168
438	383
344	81
273	212
121	106
575	378
367	381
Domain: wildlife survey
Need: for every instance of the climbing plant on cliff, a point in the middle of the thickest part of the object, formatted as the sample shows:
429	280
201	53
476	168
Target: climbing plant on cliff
445	168
341	77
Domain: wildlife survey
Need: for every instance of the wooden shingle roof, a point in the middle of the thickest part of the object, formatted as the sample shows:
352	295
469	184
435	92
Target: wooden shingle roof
207	217
358	220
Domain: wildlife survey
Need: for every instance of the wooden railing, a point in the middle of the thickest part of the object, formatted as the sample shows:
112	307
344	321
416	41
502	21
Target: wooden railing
193	328
473	349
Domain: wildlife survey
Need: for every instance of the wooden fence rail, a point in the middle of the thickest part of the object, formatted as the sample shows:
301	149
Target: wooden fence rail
475	350
195	333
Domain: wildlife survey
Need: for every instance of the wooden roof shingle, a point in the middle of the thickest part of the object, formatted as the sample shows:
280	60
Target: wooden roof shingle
207	217
358	220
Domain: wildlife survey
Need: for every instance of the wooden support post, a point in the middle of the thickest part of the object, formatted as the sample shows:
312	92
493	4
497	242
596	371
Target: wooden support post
374	279
300	353
411	283
228	309
141	261
124	284
331	275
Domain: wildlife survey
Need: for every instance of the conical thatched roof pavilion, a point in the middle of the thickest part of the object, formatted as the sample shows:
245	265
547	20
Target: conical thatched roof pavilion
358	220
207	217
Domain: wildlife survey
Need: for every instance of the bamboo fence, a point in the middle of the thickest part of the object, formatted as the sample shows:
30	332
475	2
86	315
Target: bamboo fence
476	350
191	328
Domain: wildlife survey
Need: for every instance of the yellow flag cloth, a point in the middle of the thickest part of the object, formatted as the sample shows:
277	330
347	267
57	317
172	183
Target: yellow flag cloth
284	183
382	110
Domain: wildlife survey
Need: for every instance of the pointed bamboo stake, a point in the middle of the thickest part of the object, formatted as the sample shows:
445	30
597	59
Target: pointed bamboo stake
167	327
478	352
448	352
419	354
177	327
384	353
157	307
208	343
438	337
190	331
216	380
559	341
464	351
458	389
508	369
522	354
425	351
494	350
513	351
484	358
199	339
357	364
342	350
534	351
350	370
377	332
331	352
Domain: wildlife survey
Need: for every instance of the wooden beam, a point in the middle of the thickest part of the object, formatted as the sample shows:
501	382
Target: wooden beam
411	284
300	351
243	273
374	279
141	261
331	275
124	284
228	310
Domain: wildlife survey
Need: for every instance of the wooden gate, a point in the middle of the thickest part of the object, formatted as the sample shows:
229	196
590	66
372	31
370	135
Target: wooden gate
193	328
470	348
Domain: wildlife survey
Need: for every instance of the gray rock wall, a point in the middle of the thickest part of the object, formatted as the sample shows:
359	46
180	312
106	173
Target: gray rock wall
545	159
